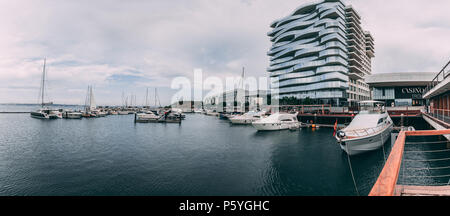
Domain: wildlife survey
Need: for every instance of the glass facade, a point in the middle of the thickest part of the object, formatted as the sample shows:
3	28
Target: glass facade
310	54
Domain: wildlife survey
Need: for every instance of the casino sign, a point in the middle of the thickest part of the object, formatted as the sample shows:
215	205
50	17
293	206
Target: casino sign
409	92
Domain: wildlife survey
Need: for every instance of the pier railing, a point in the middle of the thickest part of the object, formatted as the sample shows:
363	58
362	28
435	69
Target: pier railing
330	110
387	182
440	114
322	108
441	76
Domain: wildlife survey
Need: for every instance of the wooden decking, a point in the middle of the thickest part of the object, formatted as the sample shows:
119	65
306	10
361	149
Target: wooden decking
386	184
407	190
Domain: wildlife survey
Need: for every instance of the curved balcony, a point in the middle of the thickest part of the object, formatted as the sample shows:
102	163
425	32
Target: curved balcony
301	44
291	48
292	63
291	22
295	24
315	86
296	75
331	37
329	69
313	79
333	52
308	51
278	61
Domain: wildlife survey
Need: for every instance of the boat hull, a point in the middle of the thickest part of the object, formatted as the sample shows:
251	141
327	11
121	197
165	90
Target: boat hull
73	116
242	121
39	115
275	126
366	144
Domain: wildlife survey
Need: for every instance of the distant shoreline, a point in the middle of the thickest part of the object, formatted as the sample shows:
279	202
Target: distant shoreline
25	104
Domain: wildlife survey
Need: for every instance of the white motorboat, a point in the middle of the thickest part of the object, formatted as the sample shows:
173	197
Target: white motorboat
212	113
149	116
277	121
123	112
247	118
43	113
368	131
99	113
72	115
112	112
88	114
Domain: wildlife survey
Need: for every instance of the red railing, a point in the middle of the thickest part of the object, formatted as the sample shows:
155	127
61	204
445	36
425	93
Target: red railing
440	114
441	76
387	180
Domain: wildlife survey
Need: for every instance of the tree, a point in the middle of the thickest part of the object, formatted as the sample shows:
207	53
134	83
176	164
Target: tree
307	101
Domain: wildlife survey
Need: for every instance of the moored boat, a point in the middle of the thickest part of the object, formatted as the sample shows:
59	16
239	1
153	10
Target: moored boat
45	112
68	114
368	131
123	112
41	114
147	117
277	121
247	118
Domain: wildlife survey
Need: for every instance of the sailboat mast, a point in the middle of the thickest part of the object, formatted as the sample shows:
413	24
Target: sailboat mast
242	78
43	84
86	101
146	99
242	87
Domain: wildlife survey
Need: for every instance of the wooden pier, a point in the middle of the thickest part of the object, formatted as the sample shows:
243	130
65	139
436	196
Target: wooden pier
408	190
386	184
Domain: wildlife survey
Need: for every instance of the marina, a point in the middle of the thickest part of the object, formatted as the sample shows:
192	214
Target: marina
119	157
231	98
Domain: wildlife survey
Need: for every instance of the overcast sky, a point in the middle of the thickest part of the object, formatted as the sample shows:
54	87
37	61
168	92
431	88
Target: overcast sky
127	46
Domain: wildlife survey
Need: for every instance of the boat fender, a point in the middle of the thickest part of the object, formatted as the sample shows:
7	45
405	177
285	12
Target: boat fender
341	134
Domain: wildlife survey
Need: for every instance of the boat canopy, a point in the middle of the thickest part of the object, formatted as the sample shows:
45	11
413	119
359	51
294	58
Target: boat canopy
372	106
371	102
277	117
363	121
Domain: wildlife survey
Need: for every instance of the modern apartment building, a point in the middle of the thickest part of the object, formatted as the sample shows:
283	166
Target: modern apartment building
320	51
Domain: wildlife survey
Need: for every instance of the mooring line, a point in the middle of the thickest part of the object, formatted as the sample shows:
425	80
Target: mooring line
351	170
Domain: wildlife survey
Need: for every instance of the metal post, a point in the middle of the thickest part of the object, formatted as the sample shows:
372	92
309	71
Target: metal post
401	120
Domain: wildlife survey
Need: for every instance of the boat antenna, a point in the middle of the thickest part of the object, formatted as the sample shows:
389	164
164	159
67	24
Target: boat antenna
43	84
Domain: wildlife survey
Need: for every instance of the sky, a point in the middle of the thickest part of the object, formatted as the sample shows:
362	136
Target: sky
125	47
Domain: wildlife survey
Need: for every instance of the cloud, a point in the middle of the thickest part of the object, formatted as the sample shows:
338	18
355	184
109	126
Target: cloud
127	46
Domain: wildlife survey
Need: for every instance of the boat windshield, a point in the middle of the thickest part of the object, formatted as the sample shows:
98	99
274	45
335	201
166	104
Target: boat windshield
372	107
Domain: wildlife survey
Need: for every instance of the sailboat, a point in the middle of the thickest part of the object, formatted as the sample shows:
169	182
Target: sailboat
157	109
89	106
124	110
45	112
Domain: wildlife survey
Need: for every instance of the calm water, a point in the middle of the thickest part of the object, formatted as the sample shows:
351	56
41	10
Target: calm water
202	156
